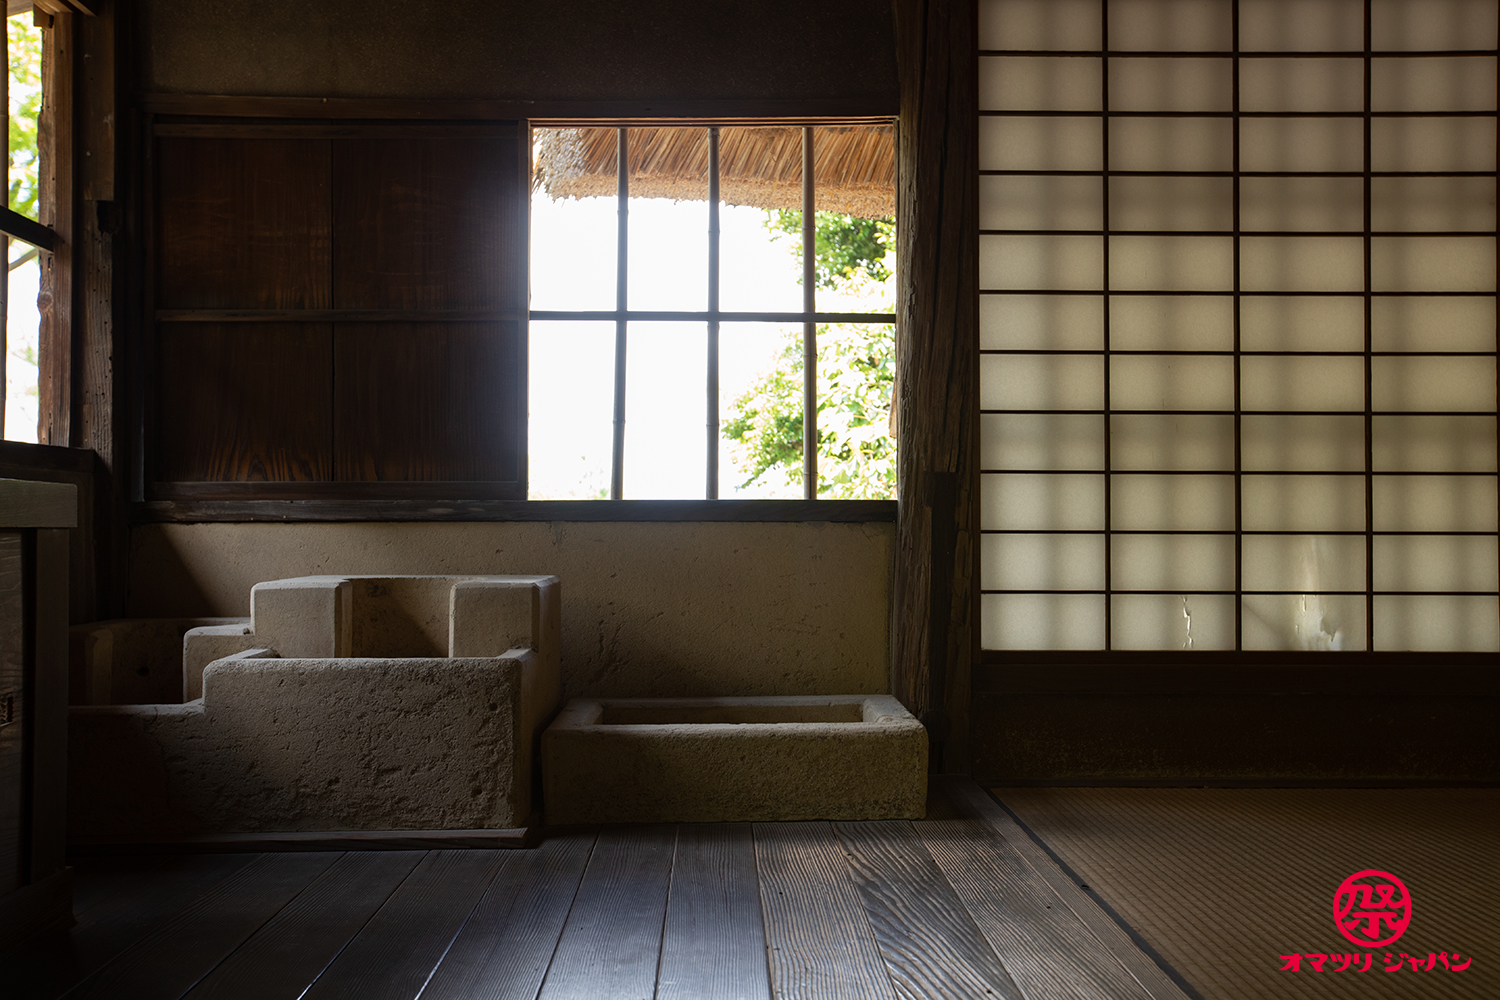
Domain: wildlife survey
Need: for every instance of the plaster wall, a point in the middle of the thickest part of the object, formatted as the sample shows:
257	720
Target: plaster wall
508	49
649	609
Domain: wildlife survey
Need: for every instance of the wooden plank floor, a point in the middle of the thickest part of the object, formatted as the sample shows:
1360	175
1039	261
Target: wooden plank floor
949	907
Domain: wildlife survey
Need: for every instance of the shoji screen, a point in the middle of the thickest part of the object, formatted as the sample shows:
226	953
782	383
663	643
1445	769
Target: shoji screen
1238	324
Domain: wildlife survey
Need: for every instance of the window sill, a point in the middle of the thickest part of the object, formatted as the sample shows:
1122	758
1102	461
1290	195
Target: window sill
416	509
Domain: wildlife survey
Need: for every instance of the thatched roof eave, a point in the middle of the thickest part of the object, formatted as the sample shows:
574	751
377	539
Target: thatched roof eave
760	166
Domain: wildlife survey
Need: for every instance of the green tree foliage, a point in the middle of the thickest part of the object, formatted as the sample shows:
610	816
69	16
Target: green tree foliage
25	47
843	246
856	373
856	456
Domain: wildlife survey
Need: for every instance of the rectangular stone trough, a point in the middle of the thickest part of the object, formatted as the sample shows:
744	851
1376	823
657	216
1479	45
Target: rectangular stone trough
702	760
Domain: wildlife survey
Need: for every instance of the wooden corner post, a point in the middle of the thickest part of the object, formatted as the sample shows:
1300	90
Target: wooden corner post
56	199
934	599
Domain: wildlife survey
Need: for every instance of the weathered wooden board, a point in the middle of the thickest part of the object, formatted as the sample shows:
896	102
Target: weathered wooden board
288	954
135	909
819	939
395	953
243	223
427	222
434	402
930	942
714	943
96	880
181	951
244	403
612	940
12	712
504	950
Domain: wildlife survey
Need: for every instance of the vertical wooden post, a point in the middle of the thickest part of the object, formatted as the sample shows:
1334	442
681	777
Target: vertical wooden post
711	487
55	201
933	637
809	328
622	301
96	380
95	115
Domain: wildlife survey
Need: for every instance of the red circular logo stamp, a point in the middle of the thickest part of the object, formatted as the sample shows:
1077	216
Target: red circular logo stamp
1372	908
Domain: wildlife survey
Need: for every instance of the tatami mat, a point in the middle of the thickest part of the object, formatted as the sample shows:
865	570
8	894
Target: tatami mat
1223	881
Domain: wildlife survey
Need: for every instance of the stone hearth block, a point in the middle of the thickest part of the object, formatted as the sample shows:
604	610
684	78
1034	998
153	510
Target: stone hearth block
704	760
315	617
310	744
345	703
135	661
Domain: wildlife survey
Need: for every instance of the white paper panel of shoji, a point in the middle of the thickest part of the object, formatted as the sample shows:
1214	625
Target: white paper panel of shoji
1041	621
1171	322
1431	623
1041	322
1302	442
1303	621
1042	562
1041	382
1172	503
1041	441
1046	502
1160	621
1172	442
1172	562
1303	563
1302	503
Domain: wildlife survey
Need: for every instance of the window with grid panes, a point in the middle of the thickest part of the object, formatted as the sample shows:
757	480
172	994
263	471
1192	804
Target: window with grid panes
663	296
1238	324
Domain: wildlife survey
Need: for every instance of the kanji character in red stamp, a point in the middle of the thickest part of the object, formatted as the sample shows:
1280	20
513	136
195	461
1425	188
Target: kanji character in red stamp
1372	908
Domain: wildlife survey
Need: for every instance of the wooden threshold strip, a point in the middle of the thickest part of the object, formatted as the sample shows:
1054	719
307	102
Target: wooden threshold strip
317	840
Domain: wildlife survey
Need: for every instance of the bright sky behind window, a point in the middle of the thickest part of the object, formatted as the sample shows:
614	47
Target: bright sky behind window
572	364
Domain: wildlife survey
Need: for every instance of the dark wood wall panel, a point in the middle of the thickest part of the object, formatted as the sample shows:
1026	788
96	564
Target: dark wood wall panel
428	401
256	225
243	224
12	712
243	402
427	223
785	52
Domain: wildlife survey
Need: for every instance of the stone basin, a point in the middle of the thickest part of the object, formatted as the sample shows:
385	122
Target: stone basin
705	760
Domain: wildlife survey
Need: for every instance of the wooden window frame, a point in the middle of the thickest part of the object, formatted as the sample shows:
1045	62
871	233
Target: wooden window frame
50	233
809	315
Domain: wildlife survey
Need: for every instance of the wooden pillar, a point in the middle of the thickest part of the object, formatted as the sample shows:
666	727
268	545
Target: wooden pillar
93	318
56	196
934	642
95	391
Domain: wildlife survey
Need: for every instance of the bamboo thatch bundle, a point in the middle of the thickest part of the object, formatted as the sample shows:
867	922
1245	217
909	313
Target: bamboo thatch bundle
854	166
